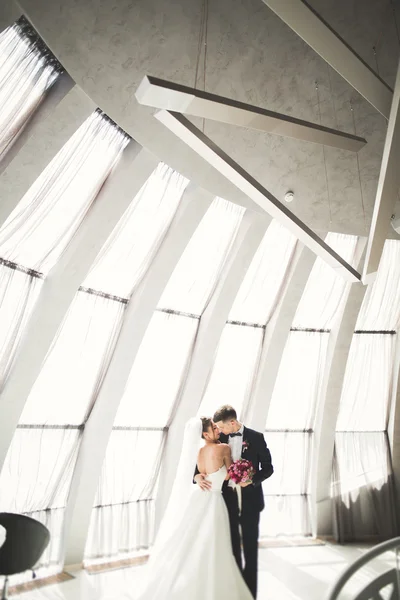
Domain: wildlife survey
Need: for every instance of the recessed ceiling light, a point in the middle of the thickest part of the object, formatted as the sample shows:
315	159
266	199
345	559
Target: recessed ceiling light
289	196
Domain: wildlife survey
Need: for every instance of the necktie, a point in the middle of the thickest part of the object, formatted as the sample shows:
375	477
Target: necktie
235	434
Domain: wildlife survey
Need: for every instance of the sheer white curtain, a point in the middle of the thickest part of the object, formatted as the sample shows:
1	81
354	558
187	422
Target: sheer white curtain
362	475
128	252
76	364
38	230
43	451
325	291
46	218
234	369
289	433
18	294
288	506
238	355
27	71
123	517
196	274
297	395
363	486
381	307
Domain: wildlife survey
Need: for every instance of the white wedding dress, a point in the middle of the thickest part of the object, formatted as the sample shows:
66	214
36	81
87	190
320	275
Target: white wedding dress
194	561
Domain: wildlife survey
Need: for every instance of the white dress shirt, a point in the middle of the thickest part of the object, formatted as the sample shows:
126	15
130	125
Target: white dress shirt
235	444
3	535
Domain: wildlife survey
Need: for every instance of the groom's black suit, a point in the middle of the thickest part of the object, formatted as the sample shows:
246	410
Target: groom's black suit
255	450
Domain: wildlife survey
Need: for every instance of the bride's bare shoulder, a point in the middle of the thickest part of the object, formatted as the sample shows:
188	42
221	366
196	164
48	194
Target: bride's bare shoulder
224	448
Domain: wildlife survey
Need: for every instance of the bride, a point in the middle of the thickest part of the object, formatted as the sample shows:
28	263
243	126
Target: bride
192	557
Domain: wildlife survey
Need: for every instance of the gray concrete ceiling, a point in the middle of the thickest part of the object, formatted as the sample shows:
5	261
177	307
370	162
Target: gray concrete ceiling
108	46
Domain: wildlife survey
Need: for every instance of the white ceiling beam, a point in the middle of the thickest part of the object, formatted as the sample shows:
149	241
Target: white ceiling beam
300	17
387	192
162	94
210	152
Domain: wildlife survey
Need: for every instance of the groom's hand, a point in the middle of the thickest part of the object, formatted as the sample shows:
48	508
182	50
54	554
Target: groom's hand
202	482
245	484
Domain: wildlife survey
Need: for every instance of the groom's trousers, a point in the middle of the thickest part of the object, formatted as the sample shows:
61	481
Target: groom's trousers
232	504
249	520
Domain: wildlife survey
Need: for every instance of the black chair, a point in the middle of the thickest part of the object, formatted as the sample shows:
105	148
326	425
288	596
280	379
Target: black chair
26	540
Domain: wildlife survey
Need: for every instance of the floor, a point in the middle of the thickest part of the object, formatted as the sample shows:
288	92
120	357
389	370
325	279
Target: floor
289	573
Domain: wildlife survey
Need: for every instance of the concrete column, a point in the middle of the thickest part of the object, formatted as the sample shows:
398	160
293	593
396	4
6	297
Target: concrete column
331	391
9	13
212	322
61	87
276	335
41	147
60	286
193	207
394	429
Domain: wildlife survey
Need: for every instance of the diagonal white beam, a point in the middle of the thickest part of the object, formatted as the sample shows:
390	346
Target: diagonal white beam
189	101
218	159
300	17
388	187
139	312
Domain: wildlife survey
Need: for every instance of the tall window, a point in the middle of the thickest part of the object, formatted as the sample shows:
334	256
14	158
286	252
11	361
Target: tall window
362	473
38	230
298	393
123	515
239	352
27	71
36	474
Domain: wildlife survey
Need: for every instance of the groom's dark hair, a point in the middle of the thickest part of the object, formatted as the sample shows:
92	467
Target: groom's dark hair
225	413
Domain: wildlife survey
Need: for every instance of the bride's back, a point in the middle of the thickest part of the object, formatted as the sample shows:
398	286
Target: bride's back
211	458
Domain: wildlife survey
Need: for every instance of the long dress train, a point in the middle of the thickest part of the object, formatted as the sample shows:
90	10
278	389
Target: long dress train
195	561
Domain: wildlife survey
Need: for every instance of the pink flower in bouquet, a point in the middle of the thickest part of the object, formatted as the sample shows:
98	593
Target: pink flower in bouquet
241	471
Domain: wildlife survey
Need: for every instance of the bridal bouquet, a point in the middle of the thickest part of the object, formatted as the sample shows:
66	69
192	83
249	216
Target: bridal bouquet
241	471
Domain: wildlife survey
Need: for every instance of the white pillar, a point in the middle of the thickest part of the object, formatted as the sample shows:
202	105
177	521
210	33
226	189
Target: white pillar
331	391
139	312
276	335
212	322
50	136
53	97
60	286
394	429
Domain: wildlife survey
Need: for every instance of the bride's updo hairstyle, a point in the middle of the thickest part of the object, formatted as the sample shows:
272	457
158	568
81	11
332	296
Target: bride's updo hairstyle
206	423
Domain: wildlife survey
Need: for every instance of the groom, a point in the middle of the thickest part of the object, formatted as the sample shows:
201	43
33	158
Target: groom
250	445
